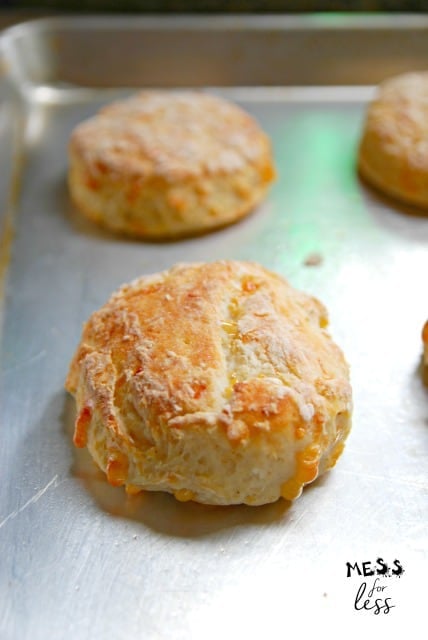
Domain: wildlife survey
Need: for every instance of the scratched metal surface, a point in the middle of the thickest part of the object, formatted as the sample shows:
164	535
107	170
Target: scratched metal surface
78	559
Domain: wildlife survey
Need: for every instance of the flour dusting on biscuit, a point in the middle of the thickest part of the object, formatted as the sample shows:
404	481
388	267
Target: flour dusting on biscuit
217	382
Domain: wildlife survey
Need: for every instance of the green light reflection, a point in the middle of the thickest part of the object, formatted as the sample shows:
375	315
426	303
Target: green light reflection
317	198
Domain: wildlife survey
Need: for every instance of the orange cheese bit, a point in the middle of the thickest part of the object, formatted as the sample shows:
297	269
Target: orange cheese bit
232	380
92	183
300	431
83	420
177	200
184	495
268	173
249	284
307	462
291	489
117	469
323	321
133	489
425	333
198	389
229	327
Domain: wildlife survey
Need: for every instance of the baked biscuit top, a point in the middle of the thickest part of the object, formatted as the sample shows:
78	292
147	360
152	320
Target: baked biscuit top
228	343
399	114
172	135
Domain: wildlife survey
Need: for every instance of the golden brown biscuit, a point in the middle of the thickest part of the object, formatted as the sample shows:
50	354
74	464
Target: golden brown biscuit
393	154
165	164
217	382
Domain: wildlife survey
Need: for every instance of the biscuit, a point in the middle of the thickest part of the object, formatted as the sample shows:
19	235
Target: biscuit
425	343
217	382
393	153
164	164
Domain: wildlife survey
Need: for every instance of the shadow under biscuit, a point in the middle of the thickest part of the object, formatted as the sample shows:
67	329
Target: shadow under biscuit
392	213
158	510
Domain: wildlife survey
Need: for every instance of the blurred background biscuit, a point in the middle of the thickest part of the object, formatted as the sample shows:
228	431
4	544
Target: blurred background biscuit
425	342
393	154
163	164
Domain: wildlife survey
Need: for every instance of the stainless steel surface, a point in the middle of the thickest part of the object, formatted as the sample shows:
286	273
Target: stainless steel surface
221	50
78	559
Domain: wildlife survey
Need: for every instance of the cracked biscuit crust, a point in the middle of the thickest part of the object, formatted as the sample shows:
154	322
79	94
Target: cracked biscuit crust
169	163
217	382
393	153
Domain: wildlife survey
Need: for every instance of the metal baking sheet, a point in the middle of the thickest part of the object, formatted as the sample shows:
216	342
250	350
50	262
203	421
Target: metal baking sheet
79	559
